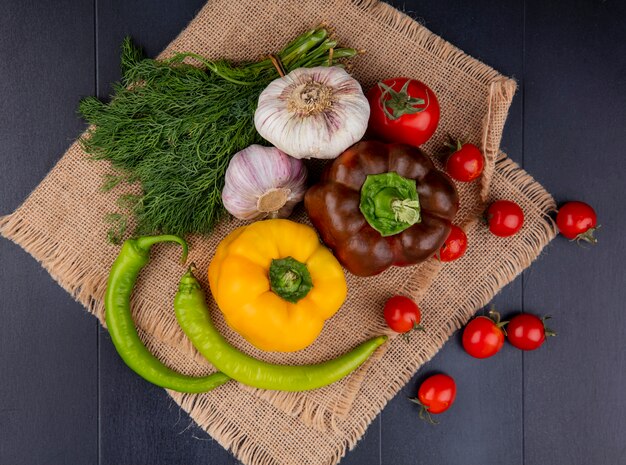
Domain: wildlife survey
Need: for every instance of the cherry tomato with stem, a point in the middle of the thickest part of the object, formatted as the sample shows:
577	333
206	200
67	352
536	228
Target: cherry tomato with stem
435	395
528	332
455	245
403	110
465	163
505	218
577	221
483	336
402	315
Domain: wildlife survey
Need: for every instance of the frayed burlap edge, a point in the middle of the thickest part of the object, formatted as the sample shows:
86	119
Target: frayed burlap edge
501	88
232	438
71	275
88	289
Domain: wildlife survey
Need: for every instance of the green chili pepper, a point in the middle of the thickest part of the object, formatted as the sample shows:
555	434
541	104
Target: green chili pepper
134	255
194	318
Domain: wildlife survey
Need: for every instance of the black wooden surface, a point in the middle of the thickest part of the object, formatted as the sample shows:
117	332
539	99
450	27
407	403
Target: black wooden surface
66	397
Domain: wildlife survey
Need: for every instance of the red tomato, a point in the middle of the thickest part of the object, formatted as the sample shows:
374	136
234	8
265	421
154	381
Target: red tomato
455	245
528	332
505	218
577	221
483	336
403	110
466	163
435	395
402	314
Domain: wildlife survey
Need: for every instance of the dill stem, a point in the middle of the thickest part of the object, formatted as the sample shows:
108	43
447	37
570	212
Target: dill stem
313	41
214	69
174	127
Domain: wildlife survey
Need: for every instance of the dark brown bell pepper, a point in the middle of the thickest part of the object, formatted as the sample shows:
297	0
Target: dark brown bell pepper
392	219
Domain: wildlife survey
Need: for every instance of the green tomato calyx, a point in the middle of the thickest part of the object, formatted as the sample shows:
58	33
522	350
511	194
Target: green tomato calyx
398	103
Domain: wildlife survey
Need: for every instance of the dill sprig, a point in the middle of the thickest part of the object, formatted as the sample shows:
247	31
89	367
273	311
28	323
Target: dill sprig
173	127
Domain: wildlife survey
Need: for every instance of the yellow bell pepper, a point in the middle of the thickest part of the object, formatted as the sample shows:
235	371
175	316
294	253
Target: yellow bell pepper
276	284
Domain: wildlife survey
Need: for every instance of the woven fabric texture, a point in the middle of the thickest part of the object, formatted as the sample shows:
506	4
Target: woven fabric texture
317	427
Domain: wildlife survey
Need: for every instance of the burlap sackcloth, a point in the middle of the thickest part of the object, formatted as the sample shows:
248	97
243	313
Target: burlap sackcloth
61	225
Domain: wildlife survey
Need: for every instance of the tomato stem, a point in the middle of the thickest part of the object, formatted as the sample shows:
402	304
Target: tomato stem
424	413
547	331
400	103
416	327
454	144
587	236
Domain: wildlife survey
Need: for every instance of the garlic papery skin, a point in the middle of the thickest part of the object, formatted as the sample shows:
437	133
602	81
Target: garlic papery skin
313	112
263	182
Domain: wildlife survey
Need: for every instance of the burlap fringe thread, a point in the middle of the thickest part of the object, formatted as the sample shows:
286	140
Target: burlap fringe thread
69	274
249	452
69	270
503	87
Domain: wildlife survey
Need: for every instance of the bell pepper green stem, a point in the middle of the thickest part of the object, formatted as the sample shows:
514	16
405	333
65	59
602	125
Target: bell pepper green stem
290	279
390	203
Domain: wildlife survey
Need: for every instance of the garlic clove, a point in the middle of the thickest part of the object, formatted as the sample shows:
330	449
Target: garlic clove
261	182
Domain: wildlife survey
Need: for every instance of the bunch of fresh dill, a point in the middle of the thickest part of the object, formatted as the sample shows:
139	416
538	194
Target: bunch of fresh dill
174	127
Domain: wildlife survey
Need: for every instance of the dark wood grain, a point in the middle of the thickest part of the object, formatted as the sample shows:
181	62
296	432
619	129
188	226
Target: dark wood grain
140	424
66	397
48	345
574	124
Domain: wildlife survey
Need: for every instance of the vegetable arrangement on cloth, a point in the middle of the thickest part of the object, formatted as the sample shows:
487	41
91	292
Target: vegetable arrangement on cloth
174	128
321	425
377	205
191	137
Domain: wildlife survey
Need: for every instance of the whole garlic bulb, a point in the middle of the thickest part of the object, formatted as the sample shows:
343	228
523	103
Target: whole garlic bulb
313	112
261	182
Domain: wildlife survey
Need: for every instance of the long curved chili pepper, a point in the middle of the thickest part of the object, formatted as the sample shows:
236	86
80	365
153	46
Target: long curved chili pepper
193	317
133	256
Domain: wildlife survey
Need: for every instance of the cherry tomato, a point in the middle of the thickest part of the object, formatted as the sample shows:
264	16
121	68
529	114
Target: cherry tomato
577	221
528	332
435	395
483	336
466	163
402	314
455	245
403	110
505	218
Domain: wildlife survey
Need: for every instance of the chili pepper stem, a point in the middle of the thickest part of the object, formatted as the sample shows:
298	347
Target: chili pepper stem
146	242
